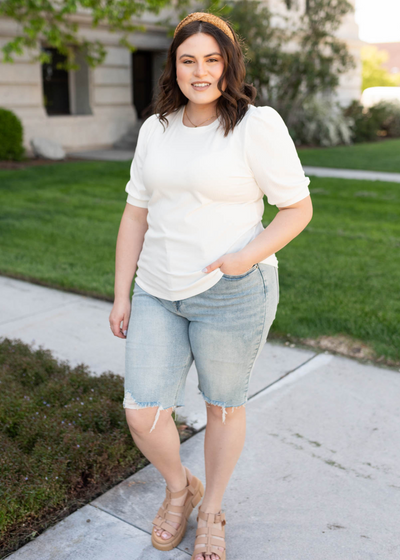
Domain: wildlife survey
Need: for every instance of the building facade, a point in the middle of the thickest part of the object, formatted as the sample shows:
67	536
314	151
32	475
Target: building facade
90	108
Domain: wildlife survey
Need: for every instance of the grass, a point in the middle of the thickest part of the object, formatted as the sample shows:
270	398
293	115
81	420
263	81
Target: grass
340	276
59	224
64	440
370	156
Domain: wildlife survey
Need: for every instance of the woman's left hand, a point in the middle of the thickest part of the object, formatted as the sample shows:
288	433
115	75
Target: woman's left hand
232	264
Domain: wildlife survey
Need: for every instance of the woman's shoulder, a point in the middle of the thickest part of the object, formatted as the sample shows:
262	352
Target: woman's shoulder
153	122
264	113
264	124
150	122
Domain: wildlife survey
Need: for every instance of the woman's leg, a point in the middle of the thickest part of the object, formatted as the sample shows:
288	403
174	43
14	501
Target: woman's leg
158	358
161	447
223	446
229	326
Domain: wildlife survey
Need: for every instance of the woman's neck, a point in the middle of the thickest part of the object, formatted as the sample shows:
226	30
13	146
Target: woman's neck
198	115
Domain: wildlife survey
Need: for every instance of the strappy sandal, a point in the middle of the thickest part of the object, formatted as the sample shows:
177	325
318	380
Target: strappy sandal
179	514
205	535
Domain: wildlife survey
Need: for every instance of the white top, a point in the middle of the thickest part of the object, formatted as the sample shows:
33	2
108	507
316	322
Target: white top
204	194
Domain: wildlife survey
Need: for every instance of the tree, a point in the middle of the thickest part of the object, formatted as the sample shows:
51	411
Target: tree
290	61
55	23
373	74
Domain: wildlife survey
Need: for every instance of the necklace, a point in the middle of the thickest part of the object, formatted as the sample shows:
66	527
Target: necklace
196	125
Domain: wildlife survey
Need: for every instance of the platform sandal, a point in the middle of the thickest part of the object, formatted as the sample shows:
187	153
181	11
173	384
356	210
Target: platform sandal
178	514
205	536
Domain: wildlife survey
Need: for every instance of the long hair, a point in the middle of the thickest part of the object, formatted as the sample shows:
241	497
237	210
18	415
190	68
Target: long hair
233	103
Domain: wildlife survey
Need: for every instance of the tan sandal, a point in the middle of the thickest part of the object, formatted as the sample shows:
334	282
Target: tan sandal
204	535
179	514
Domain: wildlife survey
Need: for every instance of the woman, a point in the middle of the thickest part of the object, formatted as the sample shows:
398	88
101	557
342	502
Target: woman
207	283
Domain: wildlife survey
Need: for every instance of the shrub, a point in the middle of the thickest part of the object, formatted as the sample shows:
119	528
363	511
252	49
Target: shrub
381	119
321	122
390	111
63	434
11	136
64	440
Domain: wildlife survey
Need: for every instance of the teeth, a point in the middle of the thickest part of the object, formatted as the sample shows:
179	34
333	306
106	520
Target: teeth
201	85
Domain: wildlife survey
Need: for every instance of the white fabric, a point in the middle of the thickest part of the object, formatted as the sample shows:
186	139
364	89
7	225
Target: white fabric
204	194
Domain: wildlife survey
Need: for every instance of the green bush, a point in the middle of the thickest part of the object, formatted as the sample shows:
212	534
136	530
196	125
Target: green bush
321	123
63	435
370	123
11	136
64	440
365	123
390	111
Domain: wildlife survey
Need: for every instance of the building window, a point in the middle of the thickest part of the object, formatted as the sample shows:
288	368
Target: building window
66	92
142	81
55	85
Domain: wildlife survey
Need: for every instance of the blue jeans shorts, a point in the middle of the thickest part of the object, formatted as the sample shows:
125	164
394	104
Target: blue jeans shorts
222	330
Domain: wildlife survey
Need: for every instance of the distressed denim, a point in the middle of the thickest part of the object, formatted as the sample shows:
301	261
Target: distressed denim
222	329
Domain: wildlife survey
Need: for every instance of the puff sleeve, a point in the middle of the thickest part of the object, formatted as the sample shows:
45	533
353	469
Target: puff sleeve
136	189
273	159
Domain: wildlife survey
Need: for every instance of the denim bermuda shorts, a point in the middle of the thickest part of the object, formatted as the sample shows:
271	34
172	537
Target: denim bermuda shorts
222	330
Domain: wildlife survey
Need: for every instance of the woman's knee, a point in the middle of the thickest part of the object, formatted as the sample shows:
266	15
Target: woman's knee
222	413
143	421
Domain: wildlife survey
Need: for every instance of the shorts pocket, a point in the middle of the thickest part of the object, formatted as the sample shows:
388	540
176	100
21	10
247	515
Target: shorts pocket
238	276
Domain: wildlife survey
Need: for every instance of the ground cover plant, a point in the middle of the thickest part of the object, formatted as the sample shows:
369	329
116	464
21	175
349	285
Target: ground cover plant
339	277
64	440
383	155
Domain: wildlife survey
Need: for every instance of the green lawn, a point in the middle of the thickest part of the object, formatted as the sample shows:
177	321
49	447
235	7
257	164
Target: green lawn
341	275
373	156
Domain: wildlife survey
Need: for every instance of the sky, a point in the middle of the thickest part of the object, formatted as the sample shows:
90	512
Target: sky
378	20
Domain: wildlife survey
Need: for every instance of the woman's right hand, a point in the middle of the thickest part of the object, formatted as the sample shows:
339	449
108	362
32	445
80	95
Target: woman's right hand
120	314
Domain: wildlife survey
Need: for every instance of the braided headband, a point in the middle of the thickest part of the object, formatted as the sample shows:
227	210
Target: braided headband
210	18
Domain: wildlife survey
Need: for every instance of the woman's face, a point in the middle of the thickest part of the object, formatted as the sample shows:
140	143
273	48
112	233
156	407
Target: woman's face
199	59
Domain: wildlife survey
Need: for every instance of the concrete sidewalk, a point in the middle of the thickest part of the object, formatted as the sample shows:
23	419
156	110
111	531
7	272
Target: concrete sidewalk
318	478
352	174
104	155
127	155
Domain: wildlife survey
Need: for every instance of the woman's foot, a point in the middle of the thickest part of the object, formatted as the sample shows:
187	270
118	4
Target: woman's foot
202	555
174	502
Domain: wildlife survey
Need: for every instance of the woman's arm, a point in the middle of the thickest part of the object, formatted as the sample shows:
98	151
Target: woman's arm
129	245
287	224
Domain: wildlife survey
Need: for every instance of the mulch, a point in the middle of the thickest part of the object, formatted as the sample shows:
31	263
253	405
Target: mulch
33	162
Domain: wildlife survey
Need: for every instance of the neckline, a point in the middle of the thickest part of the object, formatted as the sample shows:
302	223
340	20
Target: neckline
206	127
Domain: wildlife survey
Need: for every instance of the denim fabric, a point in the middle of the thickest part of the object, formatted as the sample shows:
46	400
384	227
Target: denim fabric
222	329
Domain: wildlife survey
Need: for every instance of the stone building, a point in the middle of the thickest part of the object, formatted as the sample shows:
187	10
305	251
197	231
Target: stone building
94	108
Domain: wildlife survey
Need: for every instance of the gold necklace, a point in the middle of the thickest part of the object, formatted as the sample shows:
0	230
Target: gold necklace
196	125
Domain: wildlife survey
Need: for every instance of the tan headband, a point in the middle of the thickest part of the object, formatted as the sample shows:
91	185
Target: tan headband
210	18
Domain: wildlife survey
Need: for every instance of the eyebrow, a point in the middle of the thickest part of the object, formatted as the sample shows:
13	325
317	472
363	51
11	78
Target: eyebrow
205	56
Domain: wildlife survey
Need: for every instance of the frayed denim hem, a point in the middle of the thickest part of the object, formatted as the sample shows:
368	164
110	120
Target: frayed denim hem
223	405
131	403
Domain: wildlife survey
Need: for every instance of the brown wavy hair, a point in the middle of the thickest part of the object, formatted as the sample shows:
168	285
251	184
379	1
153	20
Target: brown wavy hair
233	103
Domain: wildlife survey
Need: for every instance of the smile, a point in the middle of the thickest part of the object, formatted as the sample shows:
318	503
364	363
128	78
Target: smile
201	86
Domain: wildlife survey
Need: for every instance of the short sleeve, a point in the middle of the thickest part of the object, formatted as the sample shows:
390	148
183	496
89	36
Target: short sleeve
273	159
137	193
